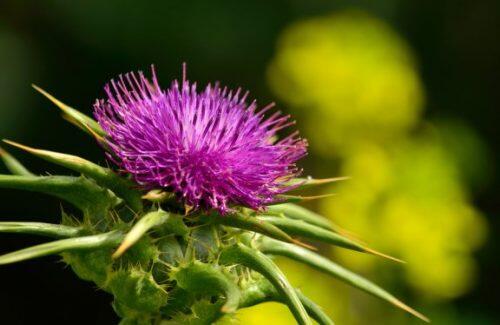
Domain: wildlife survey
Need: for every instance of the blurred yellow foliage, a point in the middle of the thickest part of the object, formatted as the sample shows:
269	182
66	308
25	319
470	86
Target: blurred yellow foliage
309	281
350	77
408	201
353	85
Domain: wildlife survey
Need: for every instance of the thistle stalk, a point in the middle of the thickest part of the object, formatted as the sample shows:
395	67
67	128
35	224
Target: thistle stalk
185	228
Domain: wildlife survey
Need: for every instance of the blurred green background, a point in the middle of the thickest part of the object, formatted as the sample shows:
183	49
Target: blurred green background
402	96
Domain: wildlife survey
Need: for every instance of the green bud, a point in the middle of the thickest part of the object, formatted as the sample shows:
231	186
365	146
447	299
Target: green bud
143	253
170	251
137	289
208	280
91	265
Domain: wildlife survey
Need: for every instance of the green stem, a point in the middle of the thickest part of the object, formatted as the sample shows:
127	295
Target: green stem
253	259
108	239
40	228
263	291
274	247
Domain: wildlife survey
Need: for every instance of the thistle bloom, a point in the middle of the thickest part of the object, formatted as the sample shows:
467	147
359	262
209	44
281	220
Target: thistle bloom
214	151
209	147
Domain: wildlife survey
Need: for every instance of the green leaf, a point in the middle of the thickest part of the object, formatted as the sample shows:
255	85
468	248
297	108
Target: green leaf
39	228
83	193
201	278
285	198
295	211
180	301
205	242
253	259
274	247
263	291
108	239
83	121
174	225
170	250
306	230
103	176
241	221
314	310
148	221
13	165
202	312
309	182
136	289
256	293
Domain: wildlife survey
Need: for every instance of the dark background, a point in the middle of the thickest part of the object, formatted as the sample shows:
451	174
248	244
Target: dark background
71	48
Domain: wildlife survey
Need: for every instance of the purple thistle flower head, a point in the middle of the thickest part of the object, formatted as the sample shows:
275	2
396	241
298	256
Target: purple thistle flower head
211	148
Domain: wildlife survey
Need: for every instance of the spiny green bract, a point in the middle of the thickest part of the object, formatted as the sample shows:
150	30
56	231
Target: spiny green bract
164	265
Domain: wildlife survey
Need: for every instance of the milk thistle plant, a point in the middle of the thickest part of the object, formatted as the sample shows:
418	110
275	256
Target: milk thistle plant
185	228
